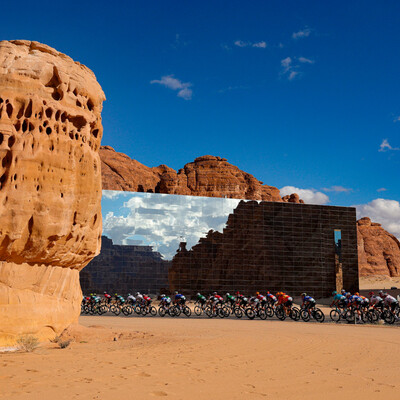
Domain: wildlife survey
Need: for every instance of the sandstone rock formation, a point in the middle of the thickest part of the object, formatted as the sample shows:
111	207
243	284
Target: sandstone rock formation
50	186
206	176
378	250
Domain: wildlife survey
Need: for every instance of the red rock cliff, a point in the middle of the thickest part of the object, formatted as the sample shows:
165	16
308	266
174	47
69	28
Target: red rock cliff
206	176
378	250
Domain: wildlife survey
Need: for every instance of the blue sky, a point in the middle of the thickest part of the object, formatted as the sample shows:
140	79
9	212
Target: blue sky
300	94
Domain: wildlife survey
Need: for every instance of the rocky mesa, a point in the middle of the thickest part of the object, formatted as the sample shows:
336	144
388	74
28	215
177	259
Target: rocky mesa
208	176
50	186
378	250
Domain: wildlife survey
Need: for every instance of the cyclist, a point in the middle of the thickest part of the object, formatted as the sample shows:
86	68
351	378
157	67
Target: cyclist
271	299
254	302
180	299
107	297
120	300
131	299
262	299
216	299
139	298
201	299
308	302
231	300
147	300
285	300
376	301
339	299
165	301
390	302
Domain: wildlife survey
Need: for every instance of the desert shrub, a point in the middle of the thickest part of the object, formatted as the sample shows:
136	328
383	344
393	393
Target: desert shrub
27	343
56	339
63	344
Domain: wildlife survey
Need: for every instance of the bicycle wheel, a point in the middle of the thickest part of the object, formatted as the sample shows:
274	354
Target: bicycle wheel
187	311
138	310
198	311
209	312
280	313
335	315
305	316
238	312
269	311
350	316
388	317
152	311
372	316
161	311
126	310
319	315
227	311
144	311
262	314
177	311
294	313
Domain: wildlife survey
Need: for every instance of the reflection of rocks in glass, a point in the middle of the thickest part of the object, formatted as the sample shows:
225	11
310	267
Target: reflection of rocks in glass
270	246
125	269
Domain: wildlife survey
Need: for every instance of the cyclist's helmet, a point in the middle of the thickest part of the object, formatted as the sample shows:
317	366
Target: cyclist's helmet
343	291
198	294
303	294
215	293
371	293
356	294
268	292
228	294
163	295
334	293
257	293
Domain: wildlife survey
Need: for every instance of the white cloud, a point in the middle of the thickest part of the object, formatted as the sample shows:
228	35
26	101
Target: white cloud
293	75
291	66
306	60
301	34
385	146
162	221
241	43
381	190
310	196
383	211
337	189
286	64
261	45
175	84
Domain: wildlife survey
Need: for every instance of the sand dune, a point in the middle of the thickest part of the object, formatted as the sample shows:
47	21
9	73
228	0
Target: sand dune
208	359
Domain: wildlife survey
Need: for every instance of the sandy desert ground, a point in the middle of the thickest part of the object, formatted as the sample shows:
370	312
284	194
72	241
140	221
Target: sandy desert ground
208	359
378	282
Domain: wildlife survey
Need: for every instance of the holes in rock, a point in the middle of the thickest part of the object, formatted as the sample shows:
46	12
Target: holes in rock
11	141
75	215
69	237
1	138
76	136
79	122
21	112
95	133
71	135
17	126
3	180
62	195
49	112
9	110
90	105
28	111
58	114
48	130
51	148
75	92
78	103
30	225
6	161
57	95
94	219
31	127
15	177
45	123
25	126
40	129
37	188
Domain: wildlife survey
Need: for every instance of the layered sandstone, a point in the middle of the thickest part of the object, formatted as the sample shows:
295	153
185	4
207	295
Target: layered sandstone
206	176
50	186
378	250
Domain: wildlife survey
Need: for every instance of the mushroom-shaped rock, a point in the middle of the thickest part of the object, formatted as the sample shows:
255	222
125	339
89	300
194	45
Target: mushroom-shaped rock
50	186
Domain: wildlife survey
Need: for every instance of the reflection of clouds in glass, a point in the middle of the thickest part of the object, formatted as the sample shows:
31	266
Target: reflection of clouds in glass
162	220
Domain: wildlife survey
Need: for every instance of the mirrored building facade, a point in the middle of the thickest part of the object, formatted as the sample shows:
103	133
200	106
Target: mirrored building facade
159	242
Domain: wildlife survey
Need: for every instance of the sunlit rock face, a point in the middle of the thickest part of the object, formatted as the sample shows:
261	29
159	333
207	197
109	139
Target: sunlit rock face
50	186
